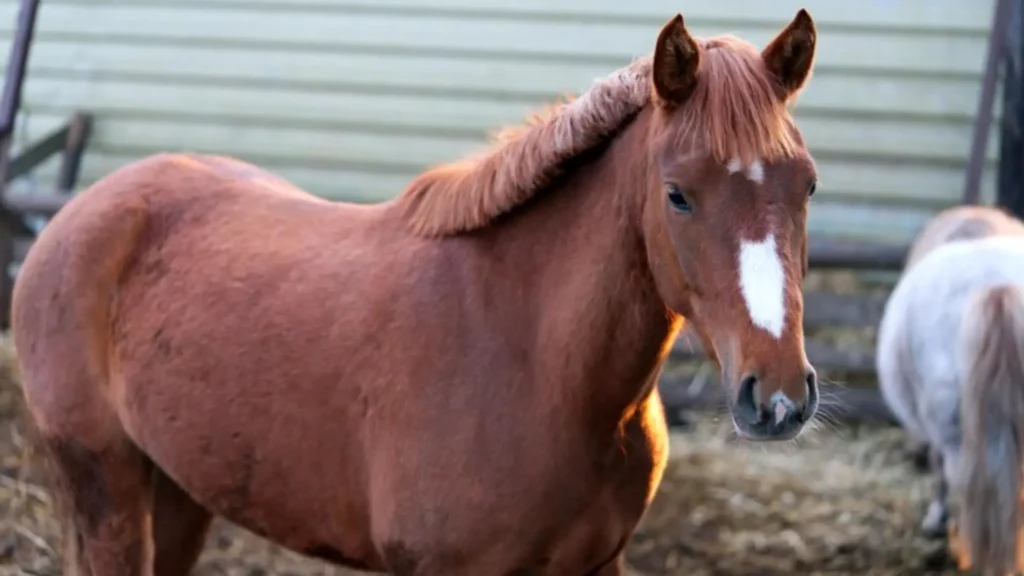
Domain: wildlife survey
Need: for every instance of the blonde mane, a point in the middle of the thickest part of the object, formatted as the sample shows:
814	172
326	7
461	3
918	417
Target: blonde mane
735	109
470	193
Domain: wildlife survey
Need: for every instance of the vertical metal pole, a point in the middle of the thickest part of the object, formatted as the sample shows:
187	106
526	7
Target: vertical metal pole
10	102
983	120
1010	195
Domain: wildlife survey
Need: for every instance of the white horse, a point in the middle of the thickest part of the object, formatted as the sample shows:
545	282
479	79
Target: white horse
951	367
952	224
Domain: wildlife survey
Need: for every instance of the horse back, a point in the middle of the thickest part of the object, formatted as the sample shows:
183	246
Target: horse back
963	223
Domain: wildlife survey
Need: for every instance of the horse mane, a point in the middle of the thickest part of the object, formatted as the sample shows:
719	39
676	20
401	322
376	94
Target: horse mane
735	108
470	193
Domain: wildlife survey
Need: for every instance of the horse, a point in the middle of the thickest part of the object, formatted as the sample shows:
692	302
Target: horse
952	224
951	367
460	380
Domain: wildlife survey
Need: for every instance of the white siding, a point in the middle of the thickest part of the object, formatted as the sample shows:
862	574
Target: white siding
350	98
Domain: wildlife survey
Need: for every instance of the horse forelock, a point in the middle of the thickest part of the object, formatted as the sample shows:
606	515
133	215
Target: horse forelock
736	110
470	193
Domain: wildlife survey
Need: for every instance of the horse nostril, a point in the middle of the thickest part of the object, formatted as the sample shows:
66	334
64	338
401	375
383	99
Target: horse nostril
748	406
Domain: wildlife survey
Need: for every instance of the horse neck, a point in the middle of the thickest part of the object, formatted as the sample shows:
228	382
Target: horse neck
580	250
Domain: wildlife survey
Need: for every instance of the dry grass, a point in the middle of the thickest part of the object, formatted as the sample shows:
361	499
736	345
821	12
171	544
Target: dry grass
840	502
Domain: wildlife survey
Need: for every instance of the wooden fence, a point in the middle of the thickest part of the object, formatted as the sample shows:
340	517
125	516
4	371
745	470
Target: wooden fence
69	140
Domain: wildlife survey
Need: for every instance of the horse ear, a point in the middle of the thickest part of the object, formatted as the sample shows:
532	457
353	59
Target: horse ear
790	56
676	58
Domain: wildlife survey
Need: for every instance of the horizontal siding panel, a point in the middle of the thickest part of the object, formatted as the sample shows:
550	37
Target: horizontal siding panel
283	103
221	65
885	53
828	139
956	15
616	40
279	144
895	139
874	181
841	96
303	58
336	182
866	222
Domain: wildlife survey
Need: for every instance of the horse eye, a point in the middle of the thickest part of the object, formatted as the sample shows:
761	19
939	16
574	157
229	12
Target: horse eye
675	196
812	188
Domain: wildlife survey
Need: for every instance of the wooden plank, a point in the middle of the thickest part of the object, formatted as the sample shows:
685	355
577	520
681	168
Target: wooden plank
80	129
39	148
822	356
824	309
956	15
38	202
445	61
831	253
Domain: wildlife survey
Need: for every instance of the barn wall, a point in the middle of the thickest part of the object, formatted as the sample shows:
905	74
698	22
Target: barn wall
350	98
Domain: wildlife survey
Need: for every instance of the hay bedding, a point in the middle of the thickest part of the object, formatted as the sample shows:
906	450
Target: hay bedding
837	503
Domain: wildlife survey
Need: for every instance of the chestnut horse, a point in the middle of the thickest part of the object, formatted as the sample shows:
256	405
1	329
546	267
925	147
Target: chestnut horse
951	367
459	381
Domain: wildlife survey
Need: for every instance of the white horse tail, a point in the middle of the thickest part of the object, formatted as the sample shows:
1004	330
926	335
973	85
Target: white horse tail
992	344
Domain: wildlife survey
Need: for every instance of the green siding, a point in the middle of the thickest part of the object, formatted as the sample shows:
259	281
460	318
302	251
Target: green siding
350	98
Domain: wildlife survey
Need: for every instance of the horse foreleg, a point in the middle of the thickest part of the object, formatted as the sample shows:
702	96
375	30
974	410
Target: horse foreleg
935	520
104	497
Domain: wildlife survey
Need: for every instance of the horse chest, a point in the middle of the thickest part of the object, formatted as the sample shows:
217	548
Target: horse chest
553	509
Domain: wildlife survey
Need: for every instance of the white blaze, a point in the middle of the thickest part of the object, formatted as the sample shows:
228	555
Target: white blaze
763	284
754	172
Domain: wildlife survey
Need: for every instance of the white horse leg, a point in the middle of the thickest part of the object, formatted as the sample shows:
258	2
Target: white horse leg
937	516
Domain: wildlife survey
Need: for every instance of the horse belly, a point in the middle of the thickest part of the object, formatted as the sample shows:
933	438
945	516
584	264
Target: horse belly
295	483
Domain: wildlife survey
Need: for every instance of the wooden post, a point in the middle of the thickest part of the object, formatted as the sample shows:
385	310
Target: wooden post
1010	187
